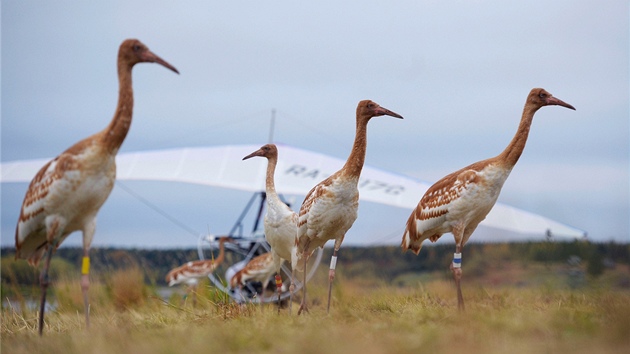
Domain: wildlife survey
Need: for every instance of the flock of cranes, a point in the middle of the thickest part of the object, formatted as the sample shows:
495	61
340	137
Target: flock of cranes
67	193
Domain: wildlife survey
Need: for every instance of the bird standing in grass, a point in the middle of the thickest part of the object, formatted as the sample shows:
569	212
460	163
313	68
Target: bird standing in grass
258	269
460	201
67	193
191	272
280	221
330	208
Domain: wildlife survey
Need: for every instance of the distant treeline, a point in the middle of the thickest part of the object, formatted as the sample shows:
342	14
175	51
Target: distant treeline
385	262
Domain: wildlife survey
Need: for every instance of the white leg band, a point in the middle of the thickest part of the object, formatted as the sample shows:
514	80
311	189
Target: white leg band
457	260
333	262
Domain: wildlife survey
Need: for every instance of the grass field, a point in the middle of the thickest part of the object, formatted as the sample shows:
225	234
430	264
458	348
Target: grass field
502	316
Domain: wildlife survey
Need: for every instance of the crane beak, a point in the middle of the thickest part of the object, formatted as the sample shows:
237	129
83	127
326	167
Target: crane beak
557	102
381	111
255	153
150	57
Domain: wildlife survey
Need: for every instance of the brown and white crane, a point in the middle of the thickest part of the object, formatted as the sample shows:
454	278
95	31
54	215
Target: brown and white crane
461	200
258	269
191	272
280	221
67	193
330	208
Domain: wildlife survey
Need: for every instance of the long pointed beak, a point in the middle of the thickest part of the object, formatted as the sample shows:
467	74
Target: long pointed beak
554	101
385	111
151	57
255	153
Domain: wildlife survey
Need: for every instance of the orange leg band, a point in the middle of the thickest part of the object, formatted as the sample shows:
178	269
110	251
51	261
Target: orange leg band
278	281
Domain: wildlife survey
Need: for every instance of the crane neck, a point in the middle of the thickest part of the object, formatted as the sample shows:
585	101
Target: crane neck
355	161
117	130
269	180
221	255
513	151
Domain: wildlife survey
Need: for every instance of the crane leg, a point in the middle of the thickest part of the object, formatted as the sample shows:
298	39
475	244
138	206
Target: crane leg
331	277
185	297
279	289
303	306
456	268
85	286
88	236
44	281
291	289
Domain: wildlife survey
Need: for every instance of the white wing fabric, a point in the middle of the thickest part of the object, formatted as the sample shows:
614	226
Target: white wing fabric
296	173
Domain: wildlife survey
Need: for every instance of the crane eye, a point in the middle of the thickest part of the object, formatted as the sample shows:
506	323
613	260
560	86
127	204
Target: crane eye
542	95
136	47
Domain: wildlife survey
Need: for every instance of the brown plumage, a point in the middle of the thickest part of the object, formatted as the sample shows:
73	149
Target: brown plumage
67	193
259	269
330	208
191	272
461	200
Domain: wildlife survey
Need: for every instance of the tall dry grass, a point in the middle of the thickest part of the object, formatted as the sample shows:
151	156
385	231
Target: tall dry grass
366	317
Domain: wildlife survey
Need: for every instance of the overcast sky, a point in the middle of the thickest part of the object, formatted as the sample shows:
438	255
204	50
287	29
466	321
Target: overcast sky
458	71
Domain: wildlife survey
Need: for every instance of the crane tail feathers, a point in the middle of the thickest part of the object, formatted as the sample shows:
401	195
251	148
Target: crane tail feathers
407	244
